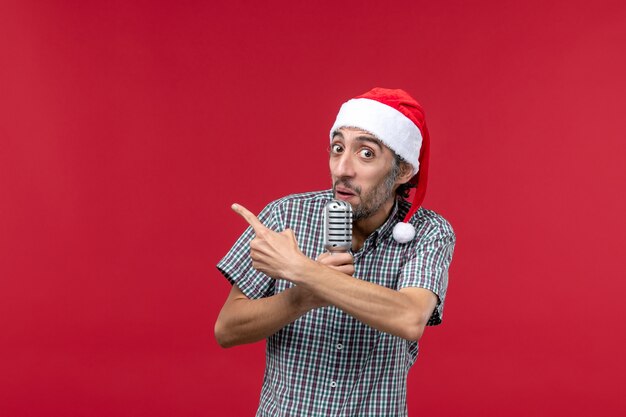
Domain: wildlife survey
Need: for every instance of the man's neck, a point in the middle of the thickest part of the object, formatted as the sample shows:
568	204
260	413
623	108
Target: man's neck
362	228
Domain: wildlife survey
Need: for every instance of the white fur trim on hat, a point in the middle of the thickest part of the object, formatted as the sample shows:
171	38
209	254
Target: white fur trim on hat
389	125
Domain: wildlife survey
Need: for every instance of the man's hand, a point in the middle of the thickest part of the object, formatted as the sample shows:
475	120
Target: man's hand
341	261
276	254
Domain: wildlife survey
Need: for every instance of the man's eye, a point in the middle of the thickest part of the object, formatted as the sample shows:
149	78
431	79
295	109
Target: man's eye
336	148
366	153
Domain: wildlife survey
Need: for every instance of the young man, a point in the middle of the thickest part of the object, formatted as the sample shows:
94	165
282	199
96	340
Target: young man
342	330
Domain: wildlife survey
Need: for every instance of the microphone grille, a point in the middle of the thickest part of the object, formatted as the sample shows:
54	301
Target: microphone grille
337	226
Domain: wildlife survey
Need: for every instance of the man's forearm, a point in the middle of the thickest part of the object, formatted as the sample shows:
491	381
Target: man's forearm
245	321
402	313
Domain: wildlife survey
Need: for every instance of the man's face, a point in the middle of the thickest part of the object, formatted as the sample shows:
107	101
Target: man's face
361	170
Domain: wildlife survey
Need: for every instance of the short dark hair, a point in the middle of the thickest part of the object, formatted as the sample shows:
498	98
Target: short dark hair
399	164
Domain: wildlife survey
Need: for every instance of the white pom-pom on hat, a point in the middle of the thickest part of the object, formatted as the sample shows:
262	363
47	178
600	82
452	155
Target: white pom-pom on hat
395	118
403	232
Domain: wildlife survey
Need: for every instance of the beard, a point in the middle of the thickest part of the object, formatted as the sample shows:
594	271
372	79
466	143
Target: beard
372	200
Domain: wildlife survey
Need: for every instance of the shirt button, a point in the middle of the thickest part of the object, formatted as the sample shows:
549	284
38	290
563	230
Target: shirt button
333	384
339	346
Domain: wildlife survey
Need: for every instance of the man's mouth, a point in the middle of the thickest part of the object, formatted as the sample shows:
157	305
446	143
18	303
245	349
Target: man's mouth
344	192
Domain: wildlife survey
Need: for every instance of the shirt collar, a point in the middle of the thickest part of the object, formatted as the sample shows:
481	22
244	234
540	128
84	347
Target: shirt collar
398	211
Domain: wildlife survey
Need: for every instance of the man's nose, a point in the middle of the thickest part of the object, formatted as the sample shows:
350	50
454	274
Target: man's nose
345	166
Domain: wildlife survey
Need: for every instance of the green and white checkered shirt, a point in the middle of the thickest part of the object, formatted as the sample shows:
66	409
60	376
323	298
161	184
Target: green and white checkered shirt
328	363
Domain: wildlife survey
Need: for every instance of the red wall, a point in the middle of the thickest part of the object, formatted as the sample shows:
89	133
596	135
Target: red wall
128	128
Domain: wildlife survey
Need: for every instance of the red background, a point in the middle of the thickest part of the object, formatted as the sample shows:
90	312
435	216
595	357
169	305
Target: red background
128	128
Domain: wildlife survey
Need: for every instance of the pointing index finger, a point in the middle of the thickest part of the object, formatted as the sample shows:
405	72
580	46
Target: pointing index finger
249	217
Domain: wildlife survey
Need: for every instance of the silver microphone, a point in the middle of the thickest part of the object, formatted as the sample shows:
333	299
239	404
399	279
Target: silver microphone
337	226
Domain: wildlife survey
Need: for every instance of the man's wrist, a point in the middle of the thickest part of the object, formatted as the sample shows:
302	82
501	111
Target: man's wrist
300	269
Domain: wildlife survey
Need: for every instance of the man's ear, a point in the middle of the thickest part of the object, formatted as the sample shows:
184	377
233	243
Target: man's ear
406	173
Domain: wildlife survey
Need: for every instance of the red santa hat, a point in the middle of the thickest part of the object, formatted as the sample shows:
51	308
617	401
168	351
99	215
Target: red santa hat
397	120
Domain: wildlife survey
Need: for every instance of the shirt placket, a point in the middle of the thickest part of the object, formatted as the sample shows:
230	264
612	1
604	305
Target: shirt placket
333	384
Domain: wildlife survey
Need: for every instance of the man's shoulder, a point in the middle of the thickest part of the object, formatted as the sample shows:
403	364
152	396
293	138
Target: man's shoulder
433	224
311	197
300	202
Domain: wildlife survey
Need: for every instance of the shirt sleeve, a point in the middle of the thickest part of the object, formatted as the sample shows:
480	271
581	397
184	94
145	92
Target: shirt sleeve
236	266
427	267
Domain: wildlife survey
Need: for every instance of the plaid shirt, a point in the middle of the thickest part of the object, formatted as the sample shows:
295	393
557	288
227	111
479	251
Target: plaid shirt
328	363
